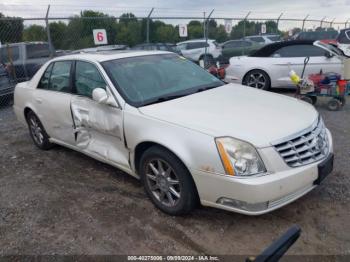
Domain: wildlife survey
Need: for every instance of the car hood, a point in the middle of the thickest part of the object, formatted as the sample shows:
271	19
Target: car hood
242	112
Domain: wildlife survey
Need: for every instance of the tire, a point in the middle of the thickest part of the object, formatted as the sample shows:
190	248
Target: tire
167	181
37	132
314	99
342	100
334	104
307	99
257	79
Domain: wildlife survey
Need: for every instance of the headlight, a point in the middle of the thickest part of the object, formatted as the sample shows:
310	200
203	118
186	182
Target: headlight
239	158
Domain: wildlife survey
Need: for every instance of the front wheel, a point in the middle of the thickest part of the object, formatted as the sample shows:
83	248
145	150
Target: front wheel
167	181
257	79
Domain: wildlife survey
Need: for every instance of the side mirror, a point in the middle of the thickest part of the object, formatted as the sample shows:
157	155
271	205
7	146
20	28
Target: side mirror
99	95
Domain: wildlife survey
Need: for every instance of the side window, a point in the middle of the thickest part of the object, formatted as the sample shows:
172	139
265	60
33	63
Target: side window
37	50
299	51
246	43
9	53
60	75
87	78
44	81
257	39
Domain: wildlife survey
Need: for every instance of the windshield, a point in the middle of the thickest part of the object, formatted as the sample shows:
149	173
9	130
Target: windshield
151	79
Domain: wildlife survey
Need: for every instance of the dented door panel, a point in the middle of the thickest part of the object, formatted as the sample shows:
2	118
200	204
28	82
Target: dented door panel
98	130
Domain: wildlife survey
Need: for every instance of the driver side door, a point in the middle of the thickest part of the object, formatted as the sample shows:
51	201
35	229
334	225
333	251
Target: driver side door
98	127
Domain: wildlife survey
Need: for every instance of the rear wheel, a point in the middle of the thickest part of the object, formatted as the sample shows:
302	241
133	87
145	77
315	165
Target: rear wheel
307	99
257	79
37	132
334	104
167	181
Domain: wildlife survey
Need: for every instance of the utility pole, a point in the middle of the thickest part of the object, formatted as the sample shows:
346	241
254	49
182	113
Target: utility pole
48	31
148	18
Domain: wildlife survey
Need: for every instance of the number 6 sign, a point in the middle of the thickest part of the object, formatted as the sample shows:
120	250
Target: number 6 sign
100	36
183	30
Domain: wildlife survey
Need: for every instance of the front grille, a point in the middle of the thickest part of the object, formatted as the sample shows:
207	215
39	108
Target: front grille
309	147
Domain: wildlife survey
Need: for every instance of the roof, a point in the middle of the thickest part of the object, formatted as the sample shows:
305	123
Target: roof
195	40
269	49
109	55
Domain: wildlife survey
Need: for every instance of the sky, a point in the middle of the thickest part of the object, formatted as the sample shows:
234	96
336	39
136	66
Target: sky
316	9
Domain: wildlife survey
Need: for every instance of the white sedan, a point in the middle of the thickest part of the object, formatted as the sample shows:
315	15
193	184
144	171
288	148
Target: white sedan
269	67
188	136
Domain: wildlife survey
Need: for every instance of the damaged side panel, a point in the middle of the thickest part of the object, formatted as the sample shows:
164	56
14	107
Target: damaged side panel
98	130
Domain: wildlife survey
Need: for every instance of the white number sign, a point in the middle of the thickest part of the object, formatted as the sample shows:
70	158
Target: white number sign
183	30
263	28
100	36
228	25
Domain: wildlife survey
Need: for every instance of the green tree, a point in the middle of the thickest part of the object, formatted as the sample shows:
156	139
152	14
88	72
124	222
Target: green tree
10	30
35	33
129	34
58	32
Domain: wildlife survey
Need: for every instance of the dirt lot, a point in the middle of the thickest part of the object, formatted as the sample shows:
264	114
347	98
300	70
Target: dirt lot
62	202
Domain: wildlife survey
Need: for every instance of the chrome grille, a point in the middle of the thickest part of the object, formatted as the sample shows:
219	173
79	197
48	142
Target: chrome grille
309	147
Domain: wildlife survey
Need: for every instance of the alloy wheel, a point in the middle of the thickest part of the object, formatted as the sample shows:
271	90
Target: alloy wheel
36	130
257	80
163	182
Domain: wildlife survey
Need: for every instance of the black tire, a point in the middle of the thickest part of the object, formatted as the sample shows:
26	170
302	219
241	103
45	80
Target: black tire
156	187
334	104
258	79
307	99
37	132
314	99
342	100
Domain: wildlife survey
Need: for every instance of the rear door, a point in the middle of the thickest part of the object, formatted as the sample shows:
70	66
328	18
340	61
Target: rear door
98	128
292	57
52	100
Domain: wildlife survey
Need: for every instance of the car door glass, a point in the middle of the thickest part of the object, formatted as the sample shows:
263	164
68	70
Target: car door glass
44	81
60	75
298	51
87	78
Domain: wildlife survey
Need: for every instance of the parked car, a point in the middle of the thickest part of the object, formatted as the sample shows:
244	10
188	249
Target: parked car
102	48
6	85
156	46
195	50
343	41
317	35
269	66
27	58
186	134
264	39
238	48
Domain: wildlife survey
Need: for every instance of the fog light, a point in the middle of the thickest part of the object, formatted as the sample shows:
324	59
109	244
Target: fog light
242	205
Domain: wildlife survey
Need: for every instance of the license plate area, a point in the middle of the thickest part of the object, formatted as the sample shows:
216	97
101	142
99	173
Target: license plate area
324	169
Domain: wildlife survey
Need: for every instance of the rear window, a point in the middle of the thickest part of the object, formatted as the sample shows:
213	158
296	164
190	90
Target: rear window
9	53
257	39
194	45
274	38
37	51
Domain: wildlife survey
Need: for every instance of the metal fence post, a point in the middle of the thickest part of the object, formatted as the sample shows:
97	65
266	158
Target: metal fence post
148	17
321	23
206	37
302	28
48	31
331	24
278	20
244	22
204	28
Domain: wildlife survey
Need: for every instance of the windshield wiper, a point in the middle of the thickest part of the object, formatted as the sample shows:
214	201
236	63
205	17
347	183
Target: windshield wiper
204	88
164	98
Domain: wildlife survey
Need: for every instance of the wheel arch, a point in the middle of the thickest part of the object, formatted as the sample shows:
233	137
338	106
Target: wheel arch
260	69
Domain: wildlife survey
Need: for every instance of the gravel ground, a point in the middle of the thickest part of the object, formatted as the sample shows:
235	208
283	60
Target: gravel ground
62	202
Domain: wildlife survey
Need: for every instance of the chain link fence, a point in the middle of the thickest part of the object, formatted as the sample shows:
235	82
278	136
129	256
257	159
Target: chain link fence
27	43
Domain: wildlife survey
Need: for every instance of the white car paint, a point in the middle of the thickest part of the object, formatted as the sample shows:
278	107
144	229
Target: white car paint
187	126
195	54
278	68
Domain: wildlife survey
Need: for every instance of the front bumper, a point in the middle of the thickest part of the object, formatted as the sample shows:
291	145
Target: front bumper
258	195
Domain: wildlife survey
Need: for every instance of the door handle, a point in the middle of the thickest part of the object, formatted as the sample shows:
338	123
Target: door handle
38	100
